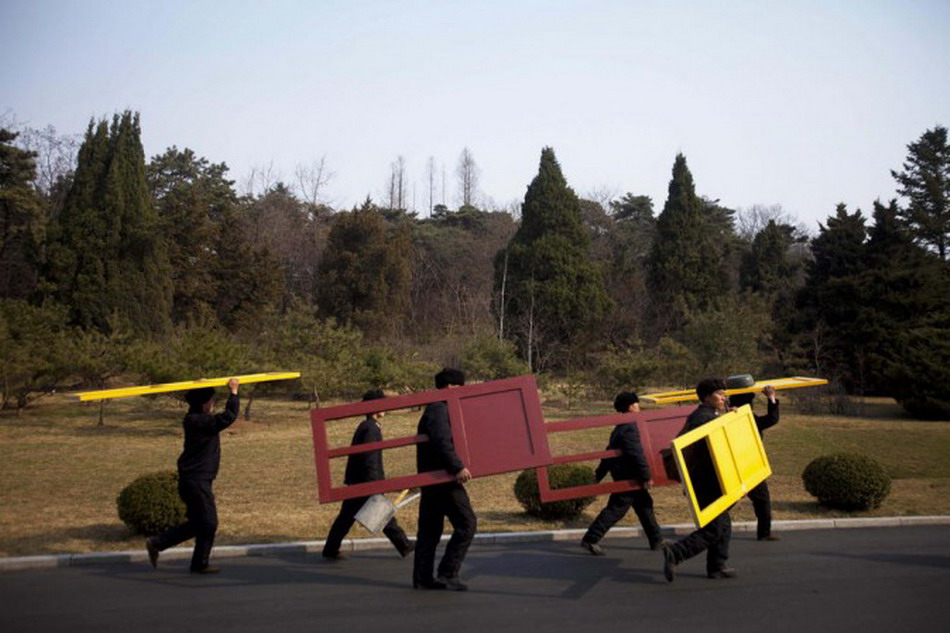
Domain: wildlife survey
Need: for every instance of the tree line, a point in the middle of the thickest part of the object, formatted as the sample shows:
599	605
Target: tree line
117	266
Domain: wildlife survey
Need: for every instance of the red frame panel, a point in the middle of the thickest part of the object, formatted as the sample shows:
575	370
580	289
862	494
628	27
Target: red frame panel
657	429
497	427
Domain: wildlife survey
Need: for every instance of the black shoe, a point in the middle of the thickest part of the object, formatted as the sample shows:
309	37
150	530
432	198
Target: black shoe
452	583
334	555
770	537
427	584
669	564
408	549
723	572
593	548
152	550
207	569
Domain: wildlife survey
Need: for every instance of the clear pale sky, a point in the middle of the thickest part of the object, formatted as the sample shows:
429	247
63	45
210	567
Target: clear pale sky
803	104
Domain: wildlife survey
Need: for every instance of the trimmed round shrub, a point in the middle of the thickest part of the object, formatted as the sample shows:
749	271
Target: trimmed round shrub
151	504
847	481
559	476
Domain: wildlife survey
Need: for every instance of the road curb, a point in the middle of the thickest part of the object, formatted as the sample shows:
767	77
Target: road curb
21	563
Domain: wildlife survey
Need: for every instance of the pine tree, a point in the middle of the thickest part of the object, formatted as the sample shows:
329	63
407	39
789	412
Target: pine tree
688	263
554	296
365	272
110	259
925	182
190	196
904	322
22	221
829	303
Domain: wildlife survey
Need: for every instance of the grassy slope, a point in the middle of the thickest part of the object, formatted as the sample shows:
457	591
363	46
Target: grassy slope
60	472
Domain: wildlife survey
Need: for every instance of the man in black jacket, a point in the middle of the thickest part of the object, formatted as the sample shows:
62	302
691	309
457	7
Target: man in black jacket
441	501
760	497
631	464
713	538
197	468
361	468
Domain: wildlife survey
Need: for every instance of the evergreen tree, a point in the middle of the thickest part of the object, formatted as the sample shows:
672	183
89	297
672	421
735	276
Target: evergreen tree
191	196
245	280
925	182
688	263
552	294
110	258
904	322
830	302
365	272
22	221
629	242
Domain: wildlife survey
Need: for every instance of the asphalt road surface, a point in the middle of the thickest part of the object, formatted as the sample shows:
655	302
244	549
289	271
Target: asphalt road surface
874	579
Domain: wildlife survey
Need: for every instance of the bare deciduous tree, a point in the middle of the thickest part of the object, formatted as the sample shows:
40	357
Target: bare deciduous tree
467	172
397	183
312	179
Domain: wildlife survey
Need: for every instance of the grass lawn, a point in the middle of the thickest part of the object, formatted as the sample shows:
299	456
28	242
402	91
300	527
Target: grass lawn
61	472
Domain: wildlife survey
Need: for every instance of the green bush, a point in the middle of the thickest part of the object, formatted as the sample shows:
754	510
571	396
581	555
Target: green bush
151	504
847	481
559	476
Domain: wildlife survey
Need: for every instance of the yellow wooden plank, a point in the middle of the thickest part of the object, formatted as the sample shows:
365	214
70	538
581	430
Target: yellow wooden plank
687	395
124	392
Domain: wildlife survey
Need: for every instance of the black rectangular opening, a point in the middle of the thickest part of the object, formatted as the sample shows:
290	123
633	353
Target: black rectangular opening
702	473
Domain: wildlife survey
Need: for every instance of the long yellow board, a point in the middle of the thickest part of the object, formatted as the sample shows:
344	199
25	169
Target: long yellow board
124	392
686	395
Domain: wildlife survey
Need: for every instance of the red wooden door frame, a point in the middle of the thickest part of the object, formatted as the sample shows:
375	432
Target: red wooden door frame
497	427
657	429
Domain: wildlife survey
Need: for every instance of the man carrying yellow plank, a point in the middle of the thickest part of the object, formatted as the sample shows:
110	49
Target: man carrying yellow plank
197	468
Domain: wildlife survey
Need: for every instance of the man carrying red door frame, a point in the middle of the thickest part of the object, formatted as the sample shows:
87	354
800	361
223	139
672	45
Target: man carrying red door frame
630	464
439	501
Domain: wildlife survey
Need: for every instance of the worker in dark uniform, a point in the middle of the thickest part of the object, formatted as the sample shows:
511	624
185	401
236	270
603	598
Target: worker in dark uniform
713	538
197	468
361	468
760	497
631	464
441	501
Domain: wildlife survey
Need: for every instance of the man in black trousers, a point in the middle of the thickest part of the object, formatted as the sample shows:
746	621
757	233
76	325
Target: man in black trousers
631	464
713	538
197	468
760	497
441	501
362	468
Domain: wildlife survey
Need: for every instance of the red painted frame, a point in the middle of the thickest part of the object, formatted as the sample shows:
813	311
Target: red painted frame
657	429
497	427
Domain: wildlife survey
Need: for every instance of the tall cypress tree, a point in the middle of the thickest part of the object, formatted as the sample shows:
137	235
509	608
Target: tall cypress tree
22	221
554	296
110	260
688	267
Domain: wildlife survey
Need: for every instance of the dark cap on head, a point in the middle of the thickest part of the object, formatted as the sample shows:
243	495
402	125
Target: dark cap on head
624	399
709	386
373	394
196	398
449	376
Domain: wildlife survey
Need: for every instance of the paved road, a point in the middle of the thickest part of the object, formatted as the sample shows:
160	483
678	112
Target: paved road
879	579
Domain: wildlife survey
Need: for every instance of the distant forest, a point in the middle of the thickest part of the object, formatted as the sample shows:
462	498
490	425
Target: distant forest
117	268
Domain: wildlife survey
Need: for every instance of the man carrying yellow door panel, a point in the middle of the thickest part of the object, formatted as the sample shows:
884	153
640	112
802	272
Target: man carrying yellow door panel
713	538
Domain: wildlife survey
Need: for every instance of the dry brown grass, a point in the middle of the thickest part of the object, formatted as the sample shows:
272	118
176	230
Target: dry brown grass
60	472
